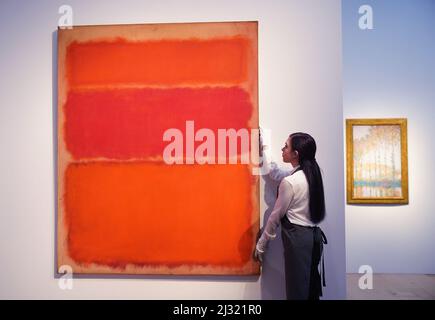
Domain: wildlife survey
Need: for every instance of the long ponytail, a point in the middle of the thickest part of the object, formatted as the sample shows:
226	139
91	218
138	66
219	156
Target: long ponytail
305	145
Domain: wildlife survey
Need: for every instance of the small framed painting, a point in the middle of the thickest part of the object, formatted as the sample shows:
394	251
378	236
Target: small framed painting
377	161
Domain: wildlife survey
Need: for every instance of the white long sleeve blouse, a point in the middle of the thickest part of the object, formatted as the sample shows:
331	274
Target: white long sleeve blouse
293	201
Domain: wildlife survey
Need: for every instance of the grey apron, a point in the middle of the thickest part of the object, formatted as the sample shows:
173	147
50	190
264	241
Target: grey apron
303	250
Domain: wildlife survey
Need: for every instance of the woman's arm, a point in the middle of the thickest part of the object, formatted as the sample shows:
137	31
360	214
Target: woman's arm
285	196
272	169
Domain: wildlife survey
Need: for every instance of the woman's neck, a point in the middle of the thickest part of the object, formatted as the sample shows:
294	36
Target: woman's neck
294	163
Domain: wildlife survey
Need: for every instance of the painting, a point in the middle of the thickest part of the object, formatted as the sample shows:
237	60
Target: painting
377	161
129	97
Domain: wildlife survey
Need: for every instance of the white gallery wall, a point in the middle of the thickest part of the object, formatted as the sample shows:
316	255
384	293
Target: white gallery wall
299	90
389	72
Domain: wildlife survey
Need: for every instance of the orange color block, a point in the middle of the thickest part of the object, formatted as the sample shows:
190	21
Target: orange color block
164	62
151	214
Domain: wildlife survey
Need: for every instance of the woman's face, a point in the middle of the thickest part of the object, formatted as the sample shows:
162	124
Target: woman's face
287	151
288	154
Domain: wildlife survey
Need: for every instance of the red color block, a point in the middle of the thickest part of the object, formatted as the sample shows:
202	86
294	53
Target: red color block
129	123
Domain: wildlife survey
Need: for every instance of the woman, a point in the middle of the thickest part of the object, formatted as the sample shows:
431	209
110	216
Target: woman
299	208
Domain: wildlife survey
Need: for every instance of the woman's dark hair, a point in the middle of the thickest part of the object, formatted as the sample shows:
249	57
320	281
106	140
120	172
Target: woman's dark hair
305	145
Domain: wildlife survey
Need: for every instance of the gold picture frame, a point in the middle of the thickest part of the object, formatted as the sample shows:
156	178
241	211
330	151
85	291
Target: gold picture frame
377	161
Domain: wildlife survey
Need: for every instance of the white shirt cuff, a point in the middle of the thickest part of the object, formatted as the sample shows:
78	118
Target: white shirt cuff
270	236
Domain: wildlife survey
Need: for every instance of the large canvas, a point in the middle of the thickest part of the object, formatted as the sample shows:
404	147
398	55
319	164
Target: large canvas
125	94
377	161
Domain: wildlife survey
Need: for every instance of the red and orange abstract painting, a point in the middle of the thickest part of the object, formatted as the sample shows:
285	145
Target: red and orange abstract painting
121	208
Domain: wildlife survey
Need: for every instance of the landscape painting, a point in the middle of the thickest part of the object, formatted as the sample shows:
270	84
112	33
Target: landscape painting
377	161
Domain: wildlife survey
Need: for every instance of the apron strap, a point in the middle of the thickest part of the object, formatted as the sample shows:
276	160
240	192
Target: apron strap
318	278
323	241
